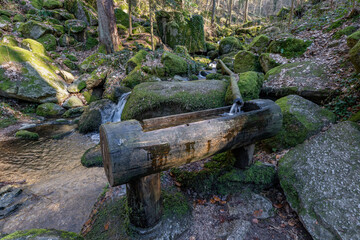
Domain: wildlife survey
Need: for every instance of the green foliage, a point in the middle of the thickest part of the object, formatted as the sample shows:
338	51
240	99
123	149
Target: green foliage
289	47
24	134
346	31
175	204
90	43
48	41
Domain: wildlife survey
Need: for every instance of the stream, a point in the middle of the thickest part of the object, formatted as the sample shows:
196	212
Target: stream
56	191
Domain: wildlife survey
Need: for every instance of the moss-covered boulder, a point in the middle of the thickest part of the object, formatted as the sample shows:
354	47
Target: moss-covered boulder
283	13
320	180
176	28
355	117
49	42
79	84
138	76
174	64
75	26
19	18
249	84
49	110
52	4
289	47
97	77
345	32
37	234
301	120
355	56
353	39
24	134
93	115
5	25
259	44
94	61
9	40
73	102
230	44
73	112
92	157
307	79
34	46
34	29
62	14
135	61
149	100
35	79
246	61
267	62
82	11
122	17
65	40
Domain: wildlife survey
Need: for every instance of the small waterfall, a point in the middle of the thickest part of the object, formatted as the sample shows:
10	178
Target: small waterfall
116	117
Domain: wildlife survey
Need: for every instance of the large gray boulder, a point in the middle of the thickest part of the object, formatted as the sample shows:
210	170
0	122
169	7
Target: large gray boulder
82	11
307	79
155	99
321	179
41	234
29	76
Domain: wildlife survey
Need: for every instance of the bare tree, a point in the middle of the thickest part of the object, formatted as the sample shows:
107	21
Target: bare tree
213	12
291	12
151	25
230	12
246	10
108	33
130	17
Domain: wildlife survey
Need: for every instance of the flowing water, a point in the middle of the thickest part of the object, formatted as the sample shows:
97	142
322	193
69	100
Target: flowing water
59	192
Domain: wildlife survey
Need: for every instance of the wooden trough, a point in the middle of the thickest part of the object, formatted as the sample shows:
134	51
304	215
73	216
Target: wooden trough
135	152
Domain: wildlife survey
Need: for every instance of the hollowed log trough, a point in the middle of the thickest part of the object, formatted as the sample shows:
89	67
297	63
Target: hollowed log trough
135	152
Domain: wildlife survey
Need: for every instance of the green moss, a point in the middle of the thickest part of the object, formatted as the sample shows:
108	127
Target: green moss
355	56
246	61
70	64
49	110
37	3
42	234
49	42
24	134
353	39
355	117
92	157
267	63
335	24
283	13
135	61
7	121
122	17
259	44
52	4
229	44
75	26
289	47
31	232
136	77
175	204
9	40
71	57
19	18
182	51
91	43
93	62
217	76
249	85
174	64
34	46
346	31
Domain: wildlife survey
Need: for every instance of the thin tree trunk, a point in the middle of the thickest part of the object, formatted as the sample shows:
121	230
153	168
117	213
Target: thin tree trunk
260	7
108	34
151	26
246	10
130	18
213	12
291	12
230	11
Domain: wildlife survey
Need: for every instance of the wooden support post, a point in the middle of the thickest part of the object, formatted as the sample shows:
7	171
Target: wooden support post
244	156
144	200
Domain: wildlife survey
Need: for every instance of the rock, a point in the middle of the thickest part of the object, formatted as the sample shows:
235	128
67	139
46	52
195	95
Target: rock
182	51
73	112
355	56
320	180
289	47
82	11
174	64
272	31
70	64
230	44
136	77
52	4
75	26
62	15
41	234
210	46
92	157
217	76
6	13
73	102
246	61
122	18
34	46
301	120
49	42
135	61
306	79
49	110
79	84
34	29
65	40
249	84
267	62
213	54
68	77
283	13
355	117
97	77
9	40
10	200
176	29
93	62
259	44
4	25
28	76
24	134
345	31
353	39
93	115
167	98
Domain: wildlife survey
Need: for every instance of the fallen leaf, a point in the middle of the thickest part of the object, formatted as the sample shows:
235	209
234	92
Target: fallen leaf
106	226
292	222
216	198
212	201
178	184
255	220
278	205
223	202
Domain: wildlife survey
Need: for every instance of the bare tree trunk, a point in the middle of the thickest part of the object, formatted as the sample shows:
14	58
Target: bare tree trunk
151	26
213	12
108	33
230	11
130	18
291	12
261	1
246	10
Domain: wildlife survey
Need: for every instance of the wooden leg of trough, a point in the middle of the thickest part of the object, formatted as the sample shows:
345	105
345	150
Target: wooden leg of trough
244	156
143	196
